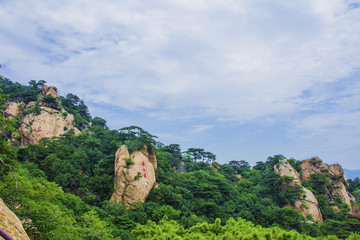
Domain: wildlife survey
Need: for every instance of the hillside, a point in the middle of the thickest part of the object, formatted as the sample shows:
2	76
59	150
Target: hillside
82	180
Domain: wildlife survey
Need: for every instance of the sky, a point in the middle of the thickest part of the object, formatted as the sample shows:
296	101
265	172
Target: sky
243	79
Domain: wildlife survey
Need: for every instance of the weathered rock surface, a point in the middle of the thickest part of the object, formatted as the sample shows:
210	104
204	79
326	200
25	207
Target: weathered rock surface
306	203
134	175
338	171
11	224
51	90
334	173
13	108
312	166
47	122
335	188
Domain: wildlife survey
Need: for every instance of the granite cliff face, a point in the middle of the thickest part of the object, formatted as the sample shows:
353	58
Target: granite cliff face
42	118
333	172
48	123
11	224
306	204
336	185
134	175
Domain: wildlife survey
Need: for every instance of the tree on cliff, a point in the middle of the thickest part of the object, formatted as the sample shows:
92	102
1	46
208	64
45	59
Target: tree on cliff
136	137
74	105
50	101
18	92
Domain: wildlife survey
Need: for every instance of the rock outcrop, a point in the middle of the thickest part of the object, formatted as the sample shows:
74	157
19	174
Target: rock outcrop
40	119
13	108
334	173
306	203
49	123
51	90
134	175
11	224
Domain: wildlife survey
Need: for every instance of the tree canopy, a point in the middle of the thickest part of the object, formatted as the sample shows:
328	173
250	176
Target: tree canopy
60	187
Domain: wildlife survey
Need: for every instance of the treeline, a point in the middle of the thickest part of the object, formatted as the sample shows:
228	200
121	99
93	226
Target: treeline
63	185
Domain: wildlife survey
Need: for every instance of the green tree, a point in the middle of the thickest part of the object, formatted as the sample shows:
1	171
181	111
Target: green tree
136	137
50	101
97	121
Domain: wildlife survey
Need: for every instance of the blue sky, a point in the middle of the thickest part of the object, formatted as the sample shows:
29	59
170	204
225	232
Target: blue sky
242	79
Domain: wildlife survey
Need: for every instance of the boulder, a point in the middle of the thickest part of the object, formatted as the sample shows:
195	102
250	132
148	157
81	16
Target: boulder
134	175
11	224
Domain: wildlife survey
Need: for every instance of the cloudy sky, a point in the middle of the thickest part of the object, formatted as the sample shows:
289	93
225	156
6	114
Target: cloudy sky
243	79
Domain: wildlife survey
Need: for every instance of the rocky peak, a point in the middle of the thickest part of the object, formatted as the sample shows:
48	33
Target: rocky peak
285	169
335	187
51	90
307	203
337	170
311	166
41	119
334	173
134	175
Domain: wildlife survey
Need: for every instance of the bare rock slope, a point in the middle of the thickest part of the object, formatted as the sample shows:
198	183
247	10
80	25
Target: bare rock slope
134	175
11	224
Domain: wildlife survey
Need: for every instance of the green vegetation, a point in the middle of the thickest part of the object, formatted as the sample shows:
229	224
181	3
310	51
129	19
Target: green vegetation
21	93
60	187
240	229
50	101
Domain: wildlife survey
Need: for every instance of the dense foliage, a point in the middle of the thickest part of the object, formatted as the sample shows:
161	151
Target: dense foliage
60	187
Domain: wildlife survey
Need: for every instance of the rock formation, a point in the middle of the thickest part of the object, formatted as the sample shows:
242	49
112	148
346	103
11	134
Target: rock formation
134	175
52	91
48	123
40	120
333	172
13	108
11	224
306	203
337	185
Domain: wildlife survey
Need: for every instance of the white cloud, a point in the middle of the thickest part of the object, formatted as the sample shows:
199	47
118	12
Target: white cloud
201	128
232	60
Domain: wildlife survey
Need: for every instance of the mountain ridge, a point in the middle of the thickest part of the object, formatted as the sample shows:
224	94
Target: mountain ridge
69	179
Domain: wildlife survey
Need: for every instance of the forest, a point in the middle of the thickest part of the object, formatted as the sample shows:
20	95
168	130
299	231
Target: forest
60	187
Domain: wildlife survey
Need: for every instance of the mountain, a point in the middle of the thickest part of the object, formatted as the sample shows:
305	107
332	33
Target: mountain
86	181
352	174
